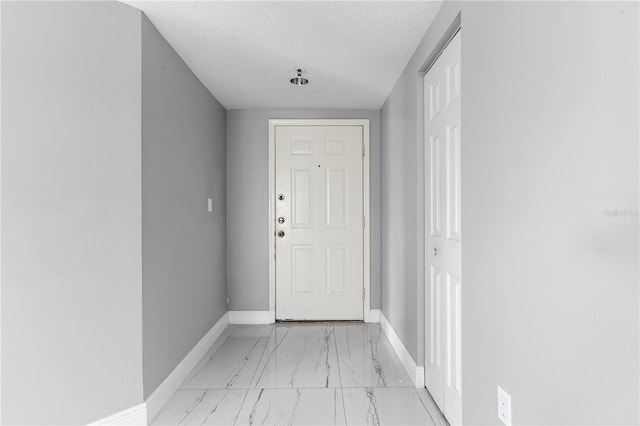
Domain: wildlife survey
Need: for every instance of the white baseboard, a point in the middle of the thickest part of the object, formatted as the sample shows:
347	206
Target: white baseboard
252	317
131	416
170	385
374	316
415	373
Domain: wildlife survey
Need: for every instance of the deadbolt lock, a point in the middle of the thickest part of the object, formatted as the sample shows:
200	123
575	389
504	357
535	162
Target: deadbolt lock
280	197
280	234
281	220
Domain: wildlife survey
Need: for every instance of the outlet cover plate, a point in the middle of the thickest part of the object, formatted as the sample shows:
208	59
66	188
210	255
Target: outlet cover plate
504	406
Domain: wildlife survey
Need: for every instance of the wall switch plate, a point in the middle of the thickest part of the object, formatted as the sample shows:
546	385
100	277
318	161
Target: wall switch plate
504	406
210	205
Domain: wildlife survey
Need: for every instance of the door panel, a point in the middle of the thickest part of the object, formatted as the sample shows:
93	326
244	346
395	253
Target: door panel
301	146
443	239
320	252
453	381
435	365
453	182
302	267
301	202
434	187
337	198
336	269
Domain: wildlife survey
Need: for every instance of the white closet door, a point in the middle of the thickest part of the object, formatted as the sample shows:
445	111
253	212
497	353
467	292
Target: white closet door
443	278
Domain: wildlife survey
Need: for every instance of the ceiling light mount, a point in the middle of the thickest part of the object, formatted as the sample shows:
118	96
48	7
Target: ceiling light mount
299	80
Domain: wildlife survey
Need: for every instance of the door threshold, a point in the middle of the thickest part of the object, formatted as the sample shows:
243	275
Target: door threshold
284	321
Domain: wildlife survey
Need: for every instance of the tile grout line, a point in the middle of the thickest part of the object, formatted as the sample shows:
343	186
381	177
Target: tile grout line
271	388
335	343
296	387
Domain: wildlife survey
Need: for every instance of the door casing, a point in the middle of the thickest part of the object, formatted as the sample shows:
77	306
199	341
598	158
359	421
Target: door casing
273	123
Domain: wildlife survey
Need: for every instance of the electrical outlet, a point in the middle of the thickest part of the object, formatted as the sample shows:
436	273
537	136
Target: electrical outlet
504	406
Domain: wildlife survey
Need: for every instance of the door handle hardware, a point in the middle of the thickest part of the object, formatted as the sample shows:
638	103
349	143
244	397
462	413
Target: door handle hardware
281	220
280	234
280	197
435	251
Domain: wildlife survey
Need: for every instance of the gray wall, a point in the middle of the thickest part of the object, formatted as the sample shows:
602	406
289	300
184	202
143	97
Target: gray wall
71	198
550	147
248	202
184	257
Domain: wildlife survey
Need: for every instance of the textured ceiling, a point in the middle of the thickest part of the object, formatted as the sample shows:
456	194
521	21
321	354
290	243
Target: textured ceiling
245	52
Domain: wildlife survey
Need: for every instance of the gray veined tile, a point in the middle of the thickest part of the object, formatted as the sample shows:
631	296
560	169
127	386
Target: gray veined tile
310	406
233	364
298	374
299	356
367	358
201	407
386	406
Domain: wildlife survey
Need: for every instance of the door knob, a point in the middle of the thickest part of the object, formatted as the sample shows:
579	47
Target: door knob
281	220
435	251
280	234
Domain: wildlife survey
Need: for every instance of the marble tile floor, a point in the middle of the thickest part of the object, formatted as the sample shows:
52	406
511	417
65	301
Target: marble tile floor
300	374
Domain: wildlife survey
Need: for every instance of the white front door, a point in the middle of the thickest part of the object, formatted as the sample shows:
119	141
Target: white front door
319	222
443	234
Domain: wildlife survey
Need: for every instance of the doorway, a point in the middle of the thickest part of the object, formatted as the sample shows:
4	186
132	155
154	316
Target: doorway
319	227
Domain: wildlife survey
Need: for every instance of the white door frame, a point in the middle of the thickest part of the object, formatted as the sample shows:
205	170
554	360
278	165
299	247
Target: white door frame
364	123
